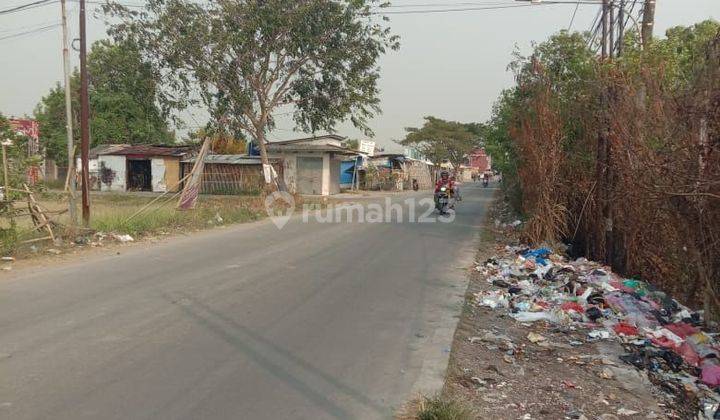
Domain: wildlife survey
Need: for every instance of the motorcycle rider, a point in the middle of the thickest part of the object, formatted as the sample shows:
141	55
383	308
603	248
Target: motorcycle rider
444	181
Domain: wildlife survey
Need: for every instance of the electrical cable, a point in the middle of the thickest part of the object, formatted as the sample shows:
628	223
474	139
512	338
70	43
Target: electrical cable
27	6
30	32
577	6
466	9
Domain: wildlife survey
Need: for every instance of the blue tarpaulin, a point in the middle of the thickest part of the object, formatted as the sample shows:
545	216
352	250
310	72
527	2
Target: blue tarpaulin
347	168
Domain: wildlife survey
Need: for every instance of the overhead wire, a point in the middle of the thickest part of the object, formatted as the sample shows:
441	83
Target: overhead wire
465	9
27	27
27	6
572	19
30	32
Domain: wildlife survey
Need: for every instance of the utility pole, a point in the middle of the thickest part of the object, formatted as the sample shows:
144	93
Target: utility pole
72	208
621	29
604	146
604	52
611	30
84	119
648	22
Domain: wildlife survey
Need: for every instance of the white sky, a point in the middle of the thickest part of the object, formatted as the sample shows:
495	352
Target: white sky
450	65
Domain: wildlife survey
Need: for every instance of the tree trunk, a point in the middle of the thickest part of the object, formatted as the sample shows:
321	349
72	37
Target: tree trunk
260	137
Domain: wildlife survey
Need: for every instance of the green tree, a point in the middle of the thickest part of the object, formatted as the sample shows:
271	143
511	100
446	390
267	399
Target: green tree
248	58
678	54
353	144
123	106
443	141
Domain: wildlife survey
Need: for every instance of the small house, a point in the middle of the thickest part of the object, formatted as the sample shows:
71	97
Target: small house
311	165
123	167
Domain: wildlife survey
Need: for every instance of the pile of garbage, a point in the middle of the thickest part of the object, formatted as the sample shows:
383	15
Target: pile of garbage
660	336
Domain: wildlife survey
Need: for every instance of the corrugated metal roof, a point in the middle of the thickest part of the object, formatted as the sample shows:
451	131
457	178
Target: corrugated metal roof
145	149
229	159
105	149
306	139
310	148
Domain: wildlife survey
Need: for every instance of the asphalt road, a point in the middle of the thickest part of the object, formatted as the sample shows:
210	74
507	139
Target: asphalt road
317	320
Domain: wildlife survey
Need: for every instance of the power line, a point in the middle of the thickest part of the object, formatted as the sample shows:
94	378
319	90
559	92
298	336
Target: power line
470	3
30	32
577	6
120	3
594	28
43	3
27	27
26	6
465	9
470	9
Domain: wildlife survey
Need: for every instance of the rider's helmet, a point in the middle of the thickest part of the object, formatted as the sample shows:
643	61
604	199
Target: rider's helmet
444	175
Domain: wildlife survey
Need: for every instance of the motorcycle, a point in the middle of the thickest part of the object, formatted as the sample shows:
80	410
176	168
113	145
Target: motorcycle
442	200
485	182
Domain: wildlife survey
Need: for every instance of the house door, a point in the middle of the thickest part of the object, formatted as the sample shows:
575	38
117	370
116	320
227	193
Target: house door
309	175
139	175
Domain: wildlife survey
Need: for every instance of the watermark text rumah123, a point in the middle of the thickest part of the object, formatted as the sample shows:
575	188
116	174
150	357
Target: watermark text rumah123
281	207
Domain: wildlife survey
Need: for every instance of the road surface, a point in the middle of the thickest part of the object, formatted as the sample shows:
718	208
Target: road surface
314	321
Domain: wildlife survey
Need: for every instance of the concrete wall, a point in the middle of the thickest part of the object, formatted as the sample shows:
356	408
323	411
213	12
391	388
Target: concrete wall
289	170
93	164
334	176
172	173
330	174
420	171
326	176
118	166
157	172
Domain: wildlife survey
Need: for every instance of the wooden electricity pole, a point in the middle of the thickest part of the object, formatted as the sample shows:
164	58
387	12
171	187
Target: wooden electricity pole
604	22
648	22
621	29
611	29
72	208
84	119
604	147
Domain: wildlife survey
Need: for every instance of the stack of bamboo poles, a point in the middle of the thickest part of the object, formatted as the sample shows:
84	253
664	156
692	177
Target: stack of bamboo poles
39	215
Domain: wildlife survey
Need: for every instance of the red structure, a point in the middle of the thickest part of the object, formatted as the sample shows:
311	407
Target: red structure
479	161
31	129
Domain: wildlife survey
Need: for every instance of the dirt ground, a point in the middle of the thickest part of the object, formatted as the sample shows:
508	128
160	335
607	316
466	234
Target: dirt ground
503	374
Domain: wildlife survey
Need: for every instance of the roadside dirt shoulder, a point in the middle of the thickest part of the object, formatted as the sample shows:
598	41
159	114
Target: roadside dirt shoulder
511	370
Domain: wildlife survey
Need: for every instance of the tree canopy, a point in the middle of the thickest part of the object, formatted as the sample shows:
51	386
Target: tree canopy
444	141
242	59
584	144
123	106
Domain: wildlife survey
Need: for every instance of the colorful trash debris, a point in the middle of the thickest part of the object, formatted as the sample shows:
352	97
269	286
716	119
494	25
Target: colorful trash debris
660	335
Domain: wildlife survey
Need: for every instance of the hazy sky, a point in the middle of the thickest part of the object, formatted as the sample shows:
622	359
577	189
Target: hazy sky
451	65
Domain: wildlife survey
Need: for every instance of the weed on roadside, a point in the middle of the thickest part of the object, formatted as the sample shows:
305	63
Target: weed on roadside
441	407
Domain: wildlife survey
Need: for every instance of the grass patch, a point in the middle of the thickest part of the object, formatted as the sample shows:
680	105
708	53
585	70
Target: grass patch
110	213
209	212
439	407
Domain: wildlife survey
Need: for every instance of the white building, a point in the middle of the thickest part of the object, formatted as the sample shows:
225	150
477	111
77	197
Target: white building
311	165
123	167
